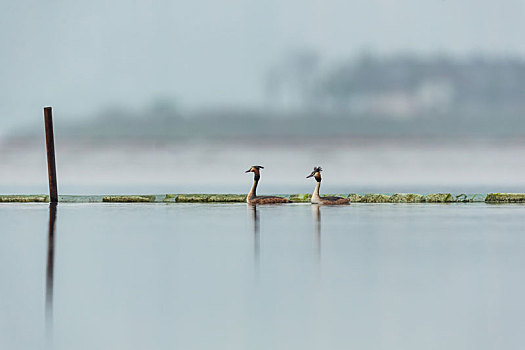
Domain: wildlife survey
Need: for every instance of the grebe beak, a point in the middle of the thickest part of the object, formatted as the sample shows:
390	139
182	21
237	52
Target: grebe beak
310	176
249	170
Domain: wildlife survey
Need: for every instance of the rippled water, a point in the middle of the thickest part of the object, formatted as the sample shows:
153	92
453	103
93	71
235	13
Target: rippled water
231	276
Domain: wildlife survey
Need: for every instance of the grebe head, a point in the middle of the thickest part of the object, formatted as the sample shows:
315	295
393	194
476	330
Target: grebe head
254	169
316	173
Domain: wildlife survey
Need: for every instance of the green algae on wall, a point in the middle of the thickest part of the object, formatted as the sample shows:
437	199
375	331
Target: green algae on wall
192	198
24	198
301	197
128	199
355	198
227	198
505	198
439	198
210	198
375	198
170	198
297	198
407	198
79	199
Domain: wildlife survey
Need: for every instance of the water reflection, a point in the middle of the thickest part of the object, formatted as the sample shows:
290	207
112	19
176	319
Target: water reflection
377	279
256	233
316	210
50	269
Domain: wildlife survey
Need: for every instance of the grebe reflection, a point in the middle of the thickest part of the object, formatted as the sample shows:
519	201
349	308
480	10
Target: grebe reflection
316	211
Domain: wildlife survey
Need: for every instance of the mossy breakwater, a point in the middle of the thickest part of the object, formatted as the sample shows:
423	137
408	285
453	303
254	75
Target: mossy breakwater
298	198
24	198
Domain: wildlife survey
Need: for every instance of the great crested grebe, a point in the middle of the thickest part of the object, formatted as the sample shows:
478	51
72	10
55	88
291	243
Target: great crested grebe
316	198
253	198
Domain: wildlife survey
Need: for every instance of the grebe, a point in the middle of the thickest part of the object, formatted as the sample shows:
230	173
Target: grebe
253	198
316	199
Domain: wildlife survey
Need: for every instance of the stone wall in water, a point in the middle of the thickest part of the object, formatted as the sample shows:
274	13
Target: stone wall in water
298	198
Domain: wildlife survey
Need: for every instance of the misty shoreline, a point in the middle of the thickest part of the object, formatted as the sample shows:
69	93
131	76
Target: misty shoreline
266	141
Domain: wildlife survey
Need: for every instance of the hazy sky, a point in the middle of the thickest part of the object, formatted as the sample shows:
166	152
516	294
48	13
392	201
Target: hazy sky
81	56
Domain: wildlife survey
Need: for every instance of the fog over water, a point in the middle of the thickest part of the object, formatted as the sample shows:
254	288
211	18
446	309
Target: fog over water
355	165
82	58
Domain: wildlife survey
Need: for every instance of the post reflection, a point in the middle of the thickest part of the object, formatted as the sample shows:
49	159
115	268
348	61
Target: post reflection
316	210
50	268
256	235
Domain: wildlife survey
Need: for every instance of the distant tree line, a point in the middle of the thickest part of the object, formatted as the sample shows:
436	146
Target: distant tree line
401	83
372	95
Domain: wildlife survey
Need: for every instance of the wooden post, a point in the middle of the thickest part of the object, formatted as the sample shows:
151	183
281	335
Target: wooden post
50	145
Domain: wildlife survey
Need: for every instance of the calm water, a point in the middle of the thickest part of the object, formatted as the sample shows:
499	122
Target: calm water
226	276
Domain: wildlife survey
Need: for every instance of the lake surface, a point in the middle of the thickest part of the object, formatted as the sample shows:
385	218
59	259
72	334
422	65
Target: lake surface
231	276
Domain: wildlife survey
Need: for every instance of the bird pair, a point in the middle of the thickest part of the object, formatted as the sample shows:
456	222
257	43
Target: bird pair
253	198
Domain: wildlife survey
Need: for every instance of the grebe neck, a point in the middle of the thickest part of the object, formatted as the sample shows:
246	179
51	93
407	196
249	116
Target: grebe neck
253	191
316	195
